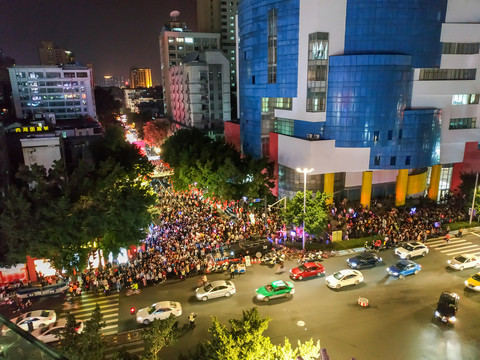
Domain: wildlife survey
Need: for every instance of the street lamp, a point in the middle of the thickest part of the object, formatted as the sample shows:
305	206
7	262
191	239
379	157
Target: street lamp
305	171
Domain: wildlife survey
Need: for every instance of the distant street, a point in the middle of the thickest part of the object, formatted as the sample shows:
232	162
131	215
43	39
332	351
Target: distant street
398	324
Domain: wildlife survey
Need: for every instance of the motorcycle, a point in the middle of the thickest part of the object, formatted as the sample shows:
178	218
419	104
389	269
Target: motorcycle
132	292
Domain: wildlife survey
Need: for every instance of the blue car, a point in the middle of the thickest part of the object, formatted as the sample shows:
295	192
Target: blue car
404	268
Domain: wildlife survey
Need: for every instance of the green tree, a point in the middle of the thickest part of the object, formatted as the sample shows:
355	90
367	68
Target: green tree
123	354
316	215
216	167
161	334
244	340
70	339
106	105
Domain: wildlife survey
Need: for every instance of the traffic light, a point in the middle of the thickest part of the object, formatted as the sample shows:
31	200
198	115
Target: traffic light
132	310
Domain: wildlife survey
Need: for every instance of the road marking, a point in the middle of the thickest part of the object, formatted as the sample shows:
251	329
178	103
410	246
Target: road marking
451	247
463	251
474	234
442	242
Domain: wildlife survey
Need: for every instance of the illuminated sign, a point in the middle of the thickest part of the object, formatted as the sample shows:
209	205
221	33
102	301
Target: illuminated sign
31	129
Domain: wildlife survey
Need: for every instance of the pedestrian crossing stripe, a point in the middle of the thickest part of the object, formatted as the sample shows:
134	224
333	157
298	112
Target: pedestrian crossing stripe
442	242
454	247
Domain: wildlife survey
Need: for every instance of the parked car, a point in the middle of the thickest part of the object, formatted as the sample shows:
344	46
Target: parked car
215	289
363	260
404	268
409	250
35	291
37	318
447	307
52	332
160	310
275	289
344	278
307	270
464	261
252	247
473	282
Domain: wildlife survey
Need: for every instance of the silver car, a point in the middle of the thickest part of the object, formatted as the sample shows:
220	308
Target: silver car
215	289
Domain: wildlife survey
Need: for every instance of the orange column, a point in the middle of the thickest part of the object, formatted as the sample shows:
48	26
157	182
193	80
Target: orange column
401	188
366	194
434	182
328	182
32	275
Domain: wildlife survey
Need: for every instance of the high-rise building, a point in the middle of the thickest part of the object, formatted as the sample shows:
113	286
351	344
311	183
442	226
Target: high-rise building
176	42
52	55
218	16
140	77
200	90
378	97
113	81
66	91
5	87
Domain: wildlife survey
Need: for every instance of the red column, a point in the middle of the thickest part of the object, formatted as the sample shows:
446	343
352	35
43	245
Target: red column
32	275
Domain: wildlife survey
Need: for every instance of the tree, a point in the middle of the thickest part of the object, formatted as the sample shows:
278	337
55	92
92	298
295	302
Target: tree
161	334
244	340
156	131
316	216
215	167
106	105
86	345
123	354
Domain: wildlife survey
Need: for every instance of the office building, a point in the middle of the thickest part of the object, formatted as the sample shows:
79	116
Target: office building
176	42
5	87
200	90
66	91
218	16
52	55
379	97
113	81
140	77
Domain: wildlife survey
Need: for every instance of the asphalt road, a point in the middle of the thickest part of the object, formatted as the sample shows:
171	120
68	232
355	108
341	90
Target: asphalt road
397	325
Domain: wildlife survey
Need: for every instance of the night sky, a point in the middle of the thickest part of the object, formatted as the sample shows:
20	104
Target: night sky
113	35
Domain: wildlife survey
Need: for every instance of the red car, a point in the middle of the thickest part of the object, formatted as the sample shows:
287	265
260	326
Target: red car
306	270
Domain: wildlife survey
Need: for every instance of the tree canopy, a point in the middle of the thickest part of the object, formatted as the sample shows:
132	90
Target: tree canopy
215	167
316	216
244	340
103	204
156	131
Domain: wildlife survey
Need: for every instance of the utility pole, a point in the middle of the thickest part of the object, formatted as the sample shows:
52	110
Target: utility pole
473	200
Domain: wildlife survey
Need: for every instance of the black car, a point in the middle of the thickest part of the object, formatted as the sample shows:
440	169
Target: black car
250	247
363	260
447	307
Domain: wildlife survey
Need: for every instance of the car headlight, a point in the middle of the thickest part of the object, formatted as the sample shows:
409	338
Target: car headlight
260	296
139	318
449	261
437	314
395	273
452	319
353	264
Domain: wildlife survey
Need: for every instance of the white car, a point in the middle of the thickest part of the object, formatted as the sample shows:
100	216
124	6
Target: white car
215	289
160	310
52	332
464	261
409	250
344	278
37	318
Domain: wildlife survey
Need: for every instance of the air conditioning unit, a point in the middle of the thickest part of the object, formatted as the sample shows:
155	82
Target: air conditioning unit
309	136
316	136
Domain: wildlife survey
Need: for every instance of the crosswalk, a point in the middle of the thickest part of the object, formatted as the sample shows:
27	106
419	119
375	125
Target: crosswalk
455	246
83	307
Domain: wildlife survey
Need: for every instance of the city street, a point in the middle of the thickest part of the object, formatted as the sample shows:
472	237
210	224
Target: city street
398	324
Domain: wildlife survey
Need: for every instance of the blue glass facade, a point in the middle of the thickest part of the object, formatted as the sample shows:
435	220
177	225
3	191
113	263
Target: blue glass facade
253	63
369	87
409	27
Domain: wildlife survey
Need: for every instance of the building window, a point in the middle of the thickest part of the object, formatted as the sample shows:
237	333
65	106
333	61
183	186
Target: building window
376	135
461	48
376	161
317	68
462	123
447	74
393	160
272	46
465	99
390	134
407	160
253	80
400	134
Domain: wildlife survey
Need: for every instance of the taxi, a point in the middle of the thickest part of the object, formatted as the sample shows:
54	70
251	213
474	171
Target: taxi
275	289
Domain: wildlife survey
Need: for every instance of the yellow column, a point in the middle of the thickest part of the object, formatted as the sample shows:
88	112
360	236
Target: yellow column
366	194
401	189
328	181
434	182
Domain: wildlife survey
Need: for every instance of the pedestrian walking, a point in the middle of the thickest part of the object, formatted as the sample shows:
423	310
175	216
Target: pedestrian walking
191	319
232	271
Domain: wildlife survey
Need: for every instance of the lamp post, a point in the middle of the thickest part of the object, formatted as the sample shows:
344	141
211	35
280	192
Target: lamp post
305	171
473	200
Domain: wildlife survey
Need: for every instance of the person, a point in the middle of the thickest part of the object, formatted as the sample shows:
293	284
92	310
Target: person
447	238
134	286
232	271
460	232
191	319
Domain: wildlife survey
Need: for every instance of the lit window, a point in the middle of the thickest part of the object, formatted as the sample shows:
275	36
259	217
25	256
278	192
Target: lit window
189	40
